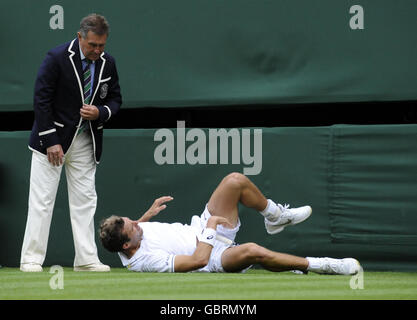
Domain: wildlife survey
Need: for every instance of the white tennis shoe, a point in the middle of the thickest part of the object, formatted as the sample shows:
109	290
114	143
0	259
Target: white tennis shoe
346	266
284	216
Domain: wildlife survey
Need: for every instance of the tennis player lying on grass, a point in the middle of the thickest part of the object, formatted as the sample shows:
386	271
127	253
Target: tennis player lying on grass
207	244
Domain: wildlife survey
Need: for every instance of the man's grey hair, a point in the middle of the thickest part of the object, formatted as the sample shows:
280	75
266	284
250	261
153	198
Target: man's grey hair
95	23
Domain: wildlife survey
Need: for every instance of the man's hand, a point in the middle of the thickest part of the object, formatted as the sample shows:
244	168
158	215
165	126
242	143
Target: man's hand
55	154
89	112
214	221
157	206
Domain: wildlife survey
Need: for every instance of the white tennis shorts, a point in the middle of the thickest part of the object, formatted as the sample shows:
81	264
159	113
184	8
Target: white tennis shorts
215	261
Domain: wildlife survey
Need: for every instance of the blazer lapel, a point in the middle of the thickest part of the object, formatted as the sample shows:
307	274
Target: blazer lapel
75	59
97	79
98	73
78	64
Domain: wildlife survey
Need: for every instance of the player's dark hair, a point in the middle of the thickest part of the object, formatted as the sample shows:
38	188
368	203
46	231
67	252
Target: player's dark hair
111	234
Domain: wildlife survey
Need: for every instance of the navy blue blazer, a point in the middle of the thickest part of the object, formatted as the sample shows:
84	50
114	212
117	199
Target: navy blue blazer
59	97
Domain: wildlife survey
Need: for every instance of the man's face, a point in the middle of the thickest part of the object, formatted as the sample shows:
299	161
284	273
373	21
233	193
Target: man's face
132	230
93	45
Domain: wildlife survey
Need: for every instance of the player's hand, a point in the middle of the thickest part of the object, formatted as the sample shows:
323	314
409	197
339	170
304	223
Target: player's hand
214	221
89	112
157	206
55	155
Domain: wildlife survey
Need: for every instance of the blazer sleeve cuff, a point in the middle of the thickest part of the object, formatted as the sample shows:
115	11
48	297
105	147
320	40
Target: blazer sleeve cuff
104	113
48	138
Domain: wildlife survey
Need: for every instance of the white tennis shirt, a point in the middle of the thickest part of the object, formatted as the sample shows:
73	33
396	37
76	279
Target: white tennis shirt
160	244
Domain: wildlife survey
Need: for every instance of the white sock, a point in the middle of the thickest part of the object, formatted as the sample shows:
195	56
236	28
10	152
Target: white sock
271	211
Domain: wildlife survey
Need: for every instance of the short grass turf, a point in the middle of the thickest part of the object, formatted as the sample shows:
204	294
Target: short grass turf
121	284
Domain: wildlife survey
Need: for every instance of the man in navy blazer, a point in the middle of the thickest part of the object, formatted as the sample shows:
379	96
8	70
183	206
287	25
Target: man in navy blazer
76	93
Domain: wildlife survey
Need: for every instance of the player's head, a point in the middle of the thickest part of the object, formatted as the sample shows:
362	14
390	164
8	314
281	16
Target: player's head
111	233
119	234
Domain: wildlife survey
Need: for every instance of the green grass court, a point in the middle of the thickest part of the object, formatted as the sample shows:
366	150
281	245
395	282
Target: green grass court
121	284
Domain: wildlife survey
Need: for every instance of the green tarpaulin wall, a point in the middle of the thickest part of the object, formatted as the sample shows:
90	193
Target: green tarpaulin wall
215	52
360	180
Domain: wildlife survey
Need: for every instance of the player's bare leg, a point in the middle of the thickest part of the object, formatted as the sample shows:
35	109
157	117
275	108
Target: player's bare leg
235	188
240	257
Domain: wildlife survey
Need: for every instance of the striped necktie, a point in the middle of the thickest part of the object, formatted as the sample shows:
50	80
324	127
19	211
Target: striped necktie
87	82
87	92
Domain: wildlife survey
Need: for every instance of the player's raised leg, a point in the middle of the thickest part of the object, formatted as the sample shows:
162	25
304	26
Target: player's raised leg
236	188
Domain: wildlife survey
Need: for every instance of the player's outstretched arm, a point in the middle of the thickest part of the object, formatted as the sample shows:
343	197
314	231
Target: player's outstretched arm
157	206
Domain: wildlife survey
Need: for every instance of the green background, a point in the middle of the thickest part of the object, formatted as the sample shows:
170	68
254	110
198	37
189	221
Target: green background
215	52
361	182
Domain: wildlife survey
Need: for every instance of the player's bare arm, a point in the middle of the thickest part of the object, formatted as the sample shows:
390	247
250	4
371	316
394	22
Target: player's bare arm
157	206
201	255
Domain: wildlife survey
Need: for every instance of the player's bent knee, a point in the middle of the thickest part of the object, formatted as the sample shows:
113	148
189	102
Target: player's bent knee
235	179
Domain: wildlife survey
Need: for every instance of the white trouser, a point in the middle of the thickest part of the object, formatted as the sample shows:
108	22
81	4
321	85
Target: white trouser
80	171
